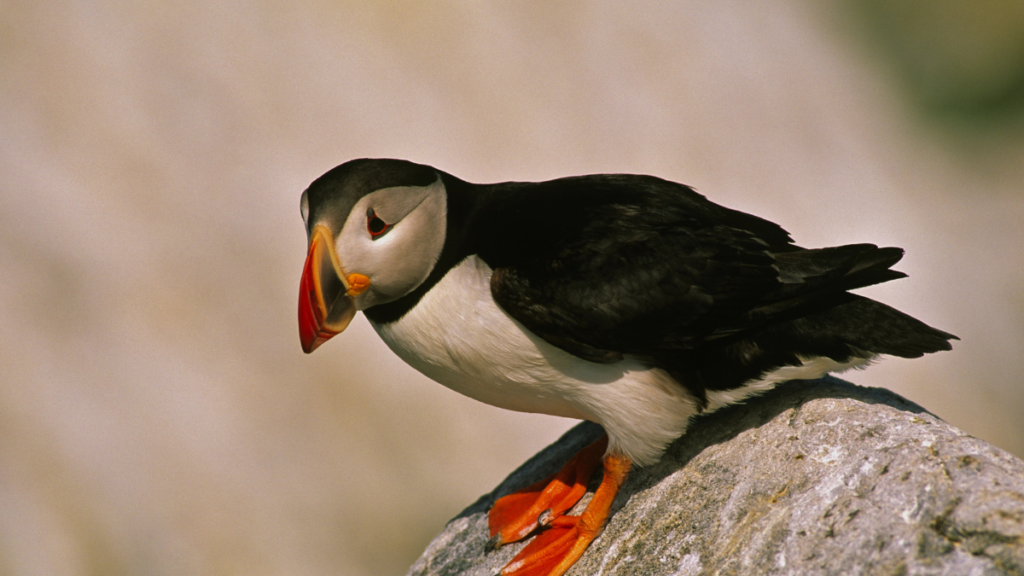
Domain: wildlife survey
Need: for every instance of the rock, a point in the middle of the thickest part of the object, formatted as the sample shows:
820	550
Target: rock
819	477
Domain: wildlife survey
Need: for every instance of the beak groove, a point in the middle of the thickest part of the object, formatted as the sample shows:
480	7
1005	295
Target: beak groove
325	308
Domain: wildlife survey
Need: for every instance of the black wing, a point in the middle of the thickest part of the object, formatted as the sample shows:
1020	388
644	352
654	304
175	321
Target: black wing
602	266
606	265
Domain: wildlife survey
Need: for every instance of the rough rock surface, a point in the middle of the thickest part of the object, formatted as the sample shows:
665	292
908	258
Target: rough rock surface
820	477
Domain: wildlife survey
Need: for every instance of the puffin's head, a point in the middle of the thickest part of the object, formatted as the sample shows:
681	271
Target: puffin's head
376	229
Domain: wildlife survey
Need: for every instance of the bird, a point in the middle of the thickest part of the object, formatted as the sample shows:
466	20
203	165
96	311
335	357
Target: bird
626	300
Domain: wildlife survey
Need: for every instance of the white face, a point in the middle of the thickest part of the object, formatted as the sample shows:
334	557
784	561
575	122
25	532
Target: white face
401	257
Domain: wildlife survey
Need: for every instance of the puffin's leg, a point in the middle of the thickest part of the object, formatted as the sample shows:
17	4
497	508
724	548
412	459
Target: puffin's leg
555	550
516	515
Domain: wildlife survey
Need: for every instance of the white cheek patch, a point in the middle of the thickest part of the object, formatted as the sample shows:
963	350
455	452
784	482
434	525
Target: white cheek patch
401	259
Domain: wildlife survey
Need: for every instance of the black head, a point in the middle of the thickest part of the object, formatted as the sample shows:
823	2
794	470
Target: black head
330	198
376	228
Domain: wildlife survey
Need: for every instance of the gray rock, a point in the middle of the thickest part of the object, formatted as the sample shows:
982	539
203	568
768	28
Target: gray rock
820	477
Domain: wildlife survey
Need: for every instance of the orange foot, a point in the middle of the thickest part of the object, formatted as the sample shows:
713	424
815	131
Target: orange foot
541	505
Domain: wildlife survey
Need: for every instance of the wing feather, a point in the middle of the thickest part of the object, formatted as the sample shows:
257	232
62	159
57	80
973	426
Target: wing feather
603	266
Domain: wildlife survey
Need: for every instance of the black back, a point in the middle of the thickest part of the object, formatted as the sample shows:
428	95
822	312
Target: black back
607	265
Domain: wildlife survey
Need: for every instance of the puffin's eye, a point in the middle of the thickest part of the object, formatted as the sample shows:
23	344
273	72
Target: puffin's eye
374	225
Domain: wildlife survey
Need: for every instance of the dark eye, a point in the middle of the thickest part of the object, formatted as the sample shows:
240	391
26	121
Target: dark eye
374	225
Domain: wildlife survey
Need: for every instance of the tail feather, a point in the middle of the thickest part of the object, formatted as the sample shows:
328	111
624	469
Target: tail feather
812	281
856	328
811	315
876	328
837	268
824	275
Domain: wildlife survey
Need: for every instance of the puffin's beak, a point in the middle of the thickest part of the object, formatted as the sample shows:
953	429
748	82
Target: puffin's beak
326	295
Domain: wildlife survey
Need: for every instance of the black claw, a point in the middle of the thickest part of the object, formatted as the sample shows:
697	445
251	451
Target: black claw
544	518
493	543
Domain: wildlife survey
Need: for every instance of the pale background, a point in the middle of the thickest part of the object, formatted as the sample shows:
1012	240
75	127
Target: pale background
157	415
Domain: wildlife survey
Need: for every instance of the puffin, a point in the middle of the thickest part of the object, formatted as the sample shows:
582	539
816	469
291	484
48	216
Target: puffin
626	300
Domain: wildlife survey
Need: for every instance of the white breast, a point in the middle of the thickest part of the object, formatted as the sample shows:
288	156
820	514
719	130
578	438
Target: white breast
459	337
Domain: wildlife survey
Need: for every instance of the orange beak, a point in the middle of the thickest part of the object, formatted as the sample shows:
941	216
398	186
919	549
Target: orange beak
326	295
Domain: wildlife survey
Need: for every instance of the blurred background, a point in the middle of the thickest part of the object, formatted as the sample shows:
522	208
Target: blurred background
157	415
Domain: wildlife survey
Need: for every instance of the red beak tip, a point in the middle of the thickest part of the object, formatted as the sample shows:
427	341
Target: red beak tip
309	344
